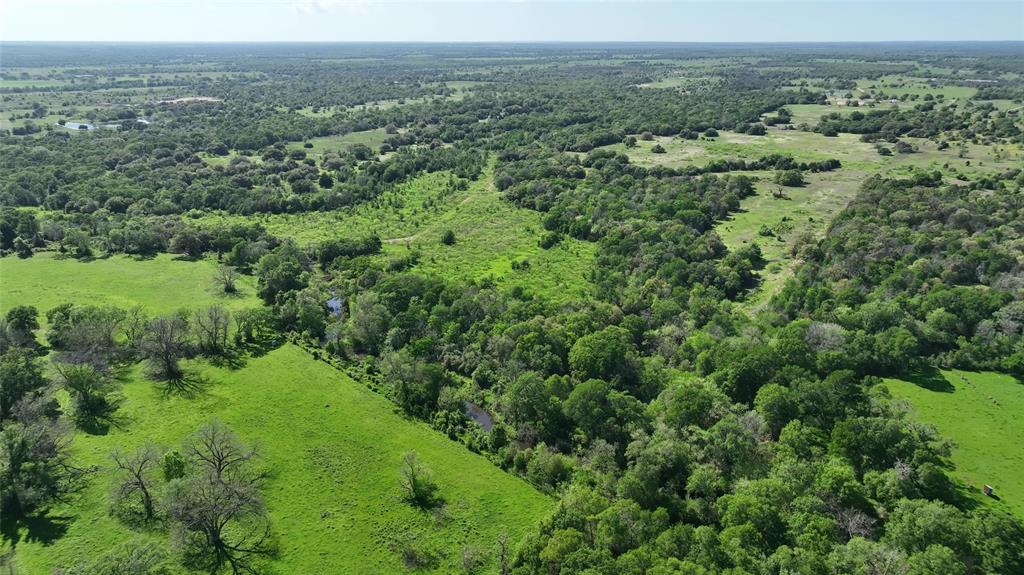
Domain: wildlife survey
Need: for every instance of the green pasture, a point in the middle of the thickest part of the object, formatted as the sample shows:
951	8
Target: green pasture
897	85
332	448
371	138
492	234
981	413
162	284
332	493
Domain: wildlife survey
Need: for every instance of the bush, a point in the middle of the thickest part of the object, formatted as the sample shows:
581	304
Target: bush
790	178
904	147
549	240
417	482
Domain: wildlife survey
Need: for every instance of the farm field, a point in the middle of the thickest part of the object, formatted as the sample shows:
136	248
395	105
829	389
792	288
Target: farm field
333	497
980	413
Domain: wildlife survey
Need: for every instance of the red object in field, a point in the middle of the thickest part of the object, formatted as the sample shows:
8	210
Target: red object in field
987	490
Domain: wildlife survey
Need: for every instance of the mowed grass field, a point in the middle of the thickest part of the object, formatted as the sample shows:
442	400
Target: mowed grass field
981	413
161	284
332	447
333	450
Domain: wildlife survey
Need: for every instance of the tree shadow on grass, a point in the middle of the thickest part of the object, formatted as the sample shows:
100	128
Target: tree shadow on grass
100	424
930	379
232	359
189	385
261	347
238	294
959	493
80	258
40	527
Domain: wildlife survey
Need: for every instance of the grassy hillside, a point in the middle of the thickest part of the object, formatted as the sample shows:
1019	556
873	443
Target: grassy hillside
333	493
333	448
981	413
162	284
490	234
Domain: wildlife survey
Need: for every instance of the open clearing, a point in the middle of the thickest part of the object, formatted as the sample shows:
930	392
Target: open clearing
804	210
898	85
161	284
371	138
490	234
333	495
981	413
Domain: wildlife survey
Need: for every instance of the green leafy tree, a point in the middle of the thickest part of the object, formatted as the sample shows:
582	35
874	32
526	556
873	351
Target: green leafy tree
22	324
21	375
789	178
281	271
609	355
417	481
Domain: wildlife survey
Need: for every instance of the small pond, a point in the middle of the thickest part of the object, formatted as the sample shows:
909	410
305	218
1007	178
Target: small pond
334	304
78	126
479	415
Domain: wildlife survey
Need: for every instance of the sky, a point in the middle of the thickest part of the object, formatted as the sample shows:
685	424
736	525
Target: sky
509	20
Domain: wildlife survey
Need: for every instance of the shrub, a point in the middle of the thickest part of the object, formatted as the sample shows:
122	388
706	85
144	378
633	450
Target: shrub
791	178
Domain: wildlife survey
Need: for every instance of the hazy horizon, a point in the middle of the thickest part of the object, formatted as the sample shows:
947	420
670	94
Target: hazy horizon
510	21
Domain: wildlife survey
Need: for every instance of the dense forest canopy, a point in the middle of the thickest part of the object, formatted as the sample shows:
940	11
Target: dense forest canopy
683	426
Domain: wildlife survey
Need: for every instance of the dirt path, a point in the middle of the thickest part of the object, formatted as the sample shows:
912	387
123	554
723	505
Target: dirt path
406	239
